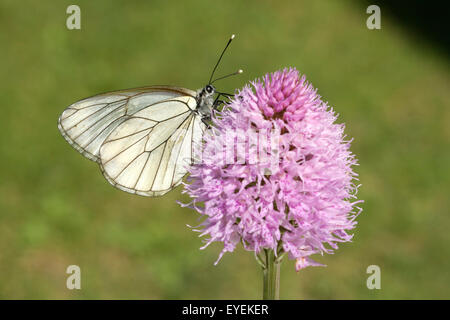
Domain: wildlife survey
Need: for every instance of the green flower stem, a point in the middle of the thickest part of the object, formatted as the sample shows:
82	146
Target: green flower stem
271	276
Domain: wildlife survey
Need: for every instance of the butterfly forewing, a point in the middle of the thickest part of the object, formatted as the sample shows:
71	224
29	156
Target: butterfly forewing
86	123
142	138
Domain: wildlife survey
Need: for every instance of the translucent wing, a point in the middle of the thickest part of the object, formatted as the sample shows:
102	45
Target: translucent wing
87	123
147	154
142	138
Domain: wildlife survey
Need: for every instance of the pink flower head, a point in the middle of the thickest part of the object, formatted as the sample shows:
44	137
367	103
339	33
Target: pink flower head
276	173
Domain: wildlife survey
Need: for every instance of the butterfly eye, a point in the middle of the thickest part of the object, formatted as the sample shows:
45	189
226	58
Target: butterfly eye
209	89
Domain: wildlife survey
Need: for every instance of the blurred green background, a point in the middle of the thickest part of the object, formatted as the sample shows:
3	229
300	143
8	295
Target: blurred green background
390	87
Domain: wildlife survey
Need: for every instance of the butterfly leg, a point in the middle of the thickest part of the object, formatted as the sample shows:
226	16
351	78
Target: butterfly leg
217	102
207	121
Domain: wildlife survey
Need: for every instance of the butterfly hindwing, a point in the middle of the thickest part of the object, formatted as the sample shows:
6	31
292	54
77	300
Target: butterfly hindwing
153	160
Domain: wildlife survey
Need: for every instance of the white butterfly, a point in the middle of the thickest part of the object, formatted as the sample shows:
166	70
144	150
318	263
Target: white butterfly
142	138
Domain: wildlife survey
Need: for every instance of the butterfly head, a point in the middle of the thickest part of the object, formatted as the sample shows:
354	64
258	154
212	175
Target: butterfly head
205	99
209	89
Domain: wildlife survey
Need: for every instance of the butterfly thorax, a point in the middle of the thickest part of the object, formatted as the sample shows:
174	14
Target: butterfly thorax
205	100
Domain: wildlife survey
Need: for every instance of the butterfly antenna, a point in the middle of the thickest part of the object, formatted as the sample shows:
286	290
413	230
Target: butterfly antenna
220	58
228	75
